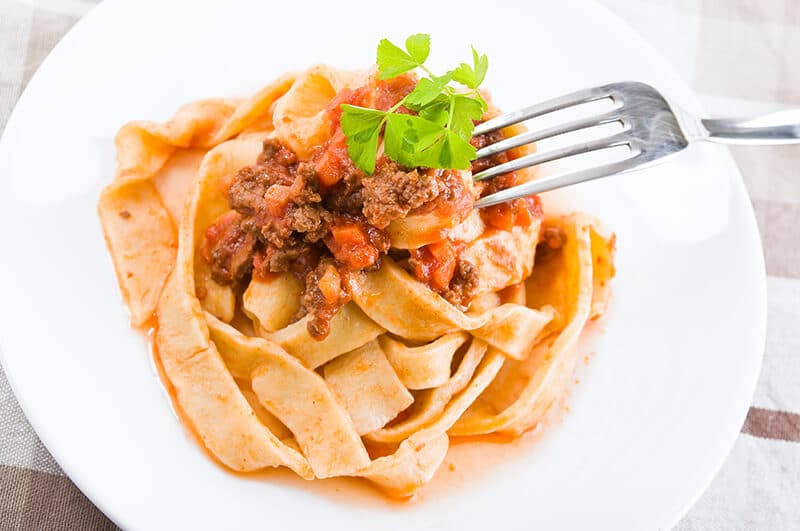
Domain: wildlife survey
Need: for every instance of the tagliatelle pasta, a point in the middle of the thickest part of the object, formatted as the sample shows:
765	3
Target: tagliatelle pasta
307	313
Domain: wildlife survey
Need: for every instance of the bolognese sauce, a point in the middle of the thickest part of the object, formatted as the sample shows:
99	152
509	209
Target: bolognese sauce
323	219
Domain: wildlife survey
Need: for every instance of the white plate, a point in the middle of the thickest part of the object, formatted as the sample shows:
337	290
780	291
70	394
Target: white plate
656	410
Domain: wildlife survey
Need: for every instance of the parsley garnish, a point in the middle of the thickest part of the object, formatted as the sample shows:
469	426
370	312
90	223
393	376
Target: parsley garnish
438	135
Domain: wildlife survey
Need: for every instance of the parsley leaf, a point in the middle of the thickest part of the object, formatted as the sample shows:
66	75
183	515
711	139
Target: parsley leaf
465	75
419	46
426	91
362	127
408	136
392	61
472	76
437	111
480	65
464	110
477	95
451	151
438	136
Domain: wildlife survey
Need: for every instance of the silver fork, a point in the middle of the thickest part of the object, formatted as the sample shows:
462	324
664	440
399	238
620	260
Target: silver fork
651	128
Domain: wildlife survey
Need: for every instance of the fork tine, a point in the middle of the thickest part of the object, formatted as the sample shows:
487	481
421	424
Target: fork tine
555	104
535	159
553	182
533	136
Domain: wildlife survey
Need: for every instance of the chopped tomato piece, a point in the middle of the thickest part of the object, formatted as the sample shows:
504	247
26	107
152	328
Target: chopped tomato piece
421	263
330	284
350	234
501	216
349	96
534	204
327	169
445	256
387	92
333	163
520	212
350	245
436	263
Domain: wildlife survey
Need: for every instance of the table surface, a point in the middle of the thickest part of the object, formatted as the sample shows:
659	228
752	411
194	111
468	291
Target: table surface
741	57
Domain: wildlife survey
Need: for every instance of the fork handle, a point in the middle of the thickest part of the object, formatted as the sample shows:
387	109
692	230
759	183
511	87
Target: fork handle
782	127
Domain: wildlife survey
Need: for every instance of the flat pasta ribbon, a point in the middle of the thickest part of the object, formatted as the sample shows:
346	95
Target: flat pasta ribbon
407	308
401	371
139	231
526	390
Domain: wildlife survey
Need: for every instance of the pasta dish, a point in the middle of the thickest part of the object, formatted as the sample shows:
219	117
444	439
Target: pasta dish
322	292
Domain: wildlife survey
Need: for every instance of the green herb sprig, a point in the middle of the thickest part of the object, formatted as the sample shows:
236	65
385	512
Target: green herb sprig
438	135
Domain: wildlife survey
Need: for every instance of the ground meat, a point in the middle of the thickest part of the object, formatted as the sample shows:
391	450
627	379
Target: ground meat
247	191
315	302
293	250
355	243
229	249
294	191
282	221
463	286
501	182
270	233
322	218
246	194
379	239
310	219
276	153
481	141
347	196
310	191
392	193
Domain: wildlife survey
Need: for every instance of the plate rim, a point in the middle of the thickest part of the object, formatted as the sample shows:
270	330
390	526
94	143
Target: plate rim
733	173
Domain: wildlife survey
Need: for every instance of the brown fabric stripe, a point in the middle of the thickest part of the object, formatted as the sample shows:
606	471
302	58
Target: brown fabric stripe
32	500
771	424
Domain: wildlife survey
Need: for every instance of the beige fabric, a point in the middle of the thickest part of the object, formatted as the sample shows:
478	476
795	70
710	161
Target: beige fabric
741	56
712	43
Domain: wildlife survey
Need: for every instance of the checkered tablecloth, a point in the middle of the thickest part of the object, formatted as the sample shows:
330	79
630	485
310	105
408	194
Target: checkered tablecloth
740	56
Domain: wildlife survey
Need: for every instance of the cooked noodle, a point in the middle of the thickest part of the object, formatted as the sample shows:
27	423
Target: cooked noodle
401	365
